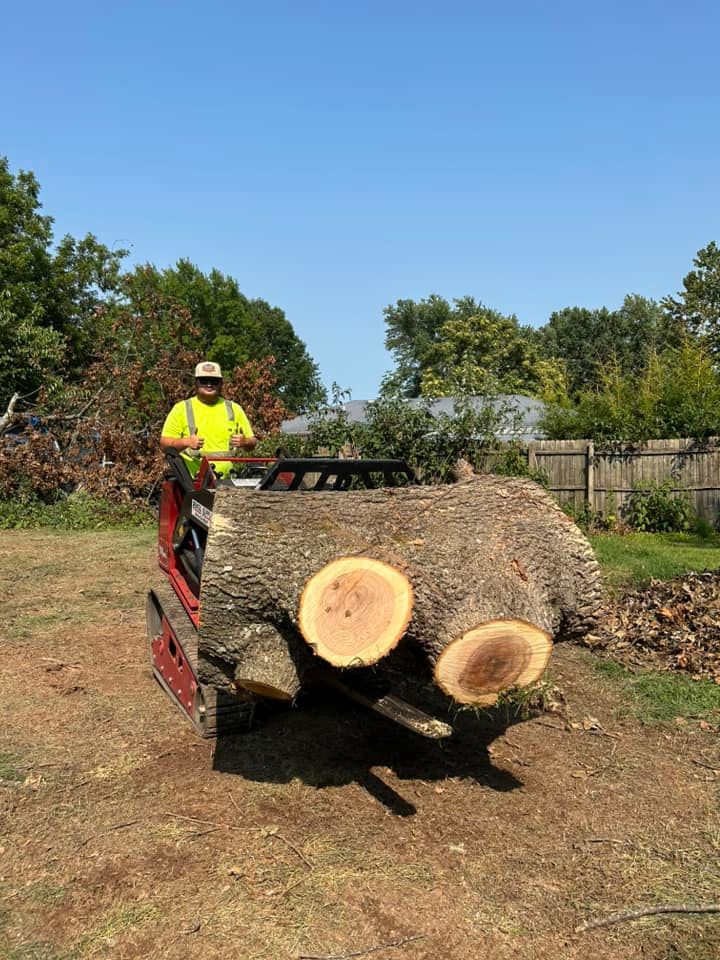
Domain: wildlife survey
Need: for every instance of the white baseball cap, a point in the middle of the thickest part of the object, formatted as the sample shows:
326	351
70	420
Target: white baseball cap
208	369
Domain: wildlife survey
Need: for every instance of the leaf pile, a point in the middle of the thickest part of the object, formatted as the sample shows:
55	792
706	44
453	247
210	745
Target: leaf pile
671	625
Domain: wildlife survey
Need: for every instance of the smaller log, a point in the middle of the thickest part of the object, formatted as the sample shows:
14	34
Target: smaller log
492	657
260	659
389	706
354	610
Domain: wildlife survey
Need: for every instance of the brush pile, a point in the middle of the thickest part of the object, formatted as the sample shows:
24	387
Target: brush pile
670	625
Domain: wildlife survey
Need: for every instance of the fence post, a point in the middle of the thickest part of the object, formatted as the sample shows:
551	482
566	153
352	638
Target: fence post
532	455
590	474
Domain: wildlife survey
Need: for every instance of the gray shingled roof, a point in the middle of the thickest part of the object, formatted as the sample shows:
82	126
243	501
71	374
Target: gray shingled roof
520	424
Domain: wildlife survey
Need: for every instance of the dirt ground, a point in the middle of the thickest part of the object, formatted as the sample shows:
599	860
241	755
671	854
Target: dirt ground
324	831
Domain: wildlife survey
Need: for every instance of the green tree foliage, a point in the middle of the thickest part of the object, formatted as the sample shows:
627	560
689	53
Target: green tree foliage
50	295
675	394
463	349
586	341
431	445
232	328
697	308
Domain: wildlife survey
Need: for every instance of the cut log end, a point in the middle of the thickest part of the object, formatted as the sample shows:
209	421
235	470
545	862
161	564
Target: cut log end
492	657
354	610
265	689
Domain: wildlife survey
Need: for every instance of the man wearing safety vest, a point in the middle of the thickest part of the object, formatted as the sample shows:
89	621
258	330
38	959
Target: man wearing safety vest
207	423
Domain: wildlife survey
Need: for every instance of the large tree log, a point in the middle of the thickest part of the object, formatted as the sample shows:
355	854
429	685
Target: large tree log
487	571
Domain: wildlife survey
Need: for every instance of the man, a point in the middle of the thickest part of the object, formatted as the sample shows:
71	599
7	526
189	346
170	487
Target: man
207	422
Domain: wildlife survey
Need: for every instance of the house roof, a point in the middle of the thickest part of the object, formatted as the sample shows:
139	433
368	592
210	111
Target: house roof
520	423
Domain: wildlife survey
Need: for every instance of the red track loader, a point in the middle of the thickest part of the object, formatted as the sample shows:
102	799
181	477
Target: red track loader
174	602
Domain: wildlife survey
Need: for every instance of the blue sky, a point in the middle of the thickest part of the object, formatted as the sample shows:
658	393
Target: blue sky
335	157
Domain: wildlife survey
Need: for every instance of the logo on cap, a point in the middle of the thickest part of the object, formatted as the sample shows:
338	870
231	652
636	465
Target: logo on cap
208	367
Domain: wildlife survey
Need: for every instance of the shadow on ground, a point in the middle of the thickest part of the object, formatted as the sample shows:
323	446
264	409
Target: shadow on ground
332	743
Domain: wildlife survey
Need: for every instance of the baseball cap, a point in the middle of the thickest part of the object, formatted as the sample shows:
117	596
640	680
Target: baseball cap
207	369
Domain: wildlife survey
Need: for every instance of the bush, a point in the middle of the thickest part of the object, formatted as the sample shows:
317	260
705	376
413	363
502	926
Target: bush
513	462
430	445
657	508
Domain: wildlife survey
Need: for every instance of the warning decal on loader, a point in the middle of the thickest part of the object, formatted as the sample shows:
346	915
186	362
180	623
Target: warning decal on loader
201	513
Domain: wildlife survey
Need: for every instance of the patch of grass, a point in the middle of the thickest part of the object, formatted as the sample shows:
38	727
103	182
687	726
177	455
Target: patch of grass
77	511
44	893
121	766
638	557
9	769
523	701
34	951
115	924
654	696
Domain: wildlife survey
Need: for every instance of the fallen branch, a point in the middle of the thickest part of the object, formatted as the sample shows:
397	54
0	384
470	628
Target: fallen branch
362	953
707	766
648	912
279	836
7	416
118	826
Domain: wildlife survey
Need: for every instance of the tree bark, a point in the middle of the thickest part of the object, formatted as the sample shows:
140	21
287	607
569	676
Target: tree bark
256	657
488	571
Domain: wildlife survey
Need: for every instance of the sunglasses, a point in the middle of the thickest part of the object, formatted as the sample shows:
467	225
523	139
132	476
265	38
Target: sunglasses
209	381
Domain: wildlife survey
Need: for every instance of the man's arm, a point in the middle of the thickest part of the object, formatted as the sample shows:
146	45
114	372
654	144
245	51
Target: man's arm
181	443
175	426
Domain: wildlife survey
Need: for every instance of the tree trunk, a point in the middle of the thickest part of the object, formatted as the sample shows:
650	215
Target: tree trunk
482	574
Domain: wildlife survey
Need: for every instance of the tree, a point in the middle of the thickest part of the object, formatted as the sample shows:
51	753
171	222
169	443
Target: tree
467	348
50	296
232	328
411	331
485	354
587	340
675	394
698	306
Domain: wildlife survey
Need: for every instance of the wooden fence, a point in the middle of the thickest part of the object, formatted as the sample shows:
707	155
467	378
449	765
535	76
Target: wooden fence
581	473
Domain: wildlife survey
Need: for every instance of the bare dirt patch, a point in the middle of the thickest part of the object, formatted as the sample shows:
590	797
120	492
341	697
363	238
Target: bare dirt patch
324	830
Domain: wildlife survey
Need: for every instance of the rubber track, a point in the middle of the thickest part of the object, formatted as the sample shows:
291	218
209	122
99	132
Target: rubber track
223	713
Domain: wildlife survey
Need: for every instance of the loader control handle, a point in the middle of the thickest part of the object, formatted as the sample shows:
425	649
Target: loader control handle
179	470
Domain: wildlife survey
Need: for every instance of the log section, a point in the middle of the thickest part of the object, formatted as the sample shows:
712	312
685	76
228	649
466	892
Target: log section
493	570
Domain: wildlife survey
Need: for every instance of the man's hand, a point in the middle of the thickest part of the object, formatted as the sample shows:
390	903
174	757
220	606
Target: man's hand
238	441
194	442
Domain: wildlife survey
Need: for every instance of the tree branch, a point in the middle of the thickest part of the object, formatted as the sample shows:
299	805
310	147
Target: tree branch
648	912
7	416
362	953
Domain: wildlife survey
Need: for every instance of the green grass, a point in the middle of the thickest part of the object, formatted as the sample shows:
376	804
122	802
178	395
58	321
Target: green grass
78	511
634	559
120	921
654	696
8	767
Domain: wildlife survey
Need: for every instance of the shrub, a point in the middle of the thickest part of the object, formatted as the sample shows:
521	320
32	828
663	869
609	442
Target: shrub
431	445
657	508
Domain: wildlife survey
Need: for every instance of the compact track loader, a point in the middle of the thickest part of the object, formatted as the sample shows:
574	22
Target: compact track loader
174	606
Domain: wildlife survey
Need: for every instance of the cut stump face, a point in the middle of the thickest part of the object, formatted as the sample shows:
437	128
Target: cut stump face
492	657
355	610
